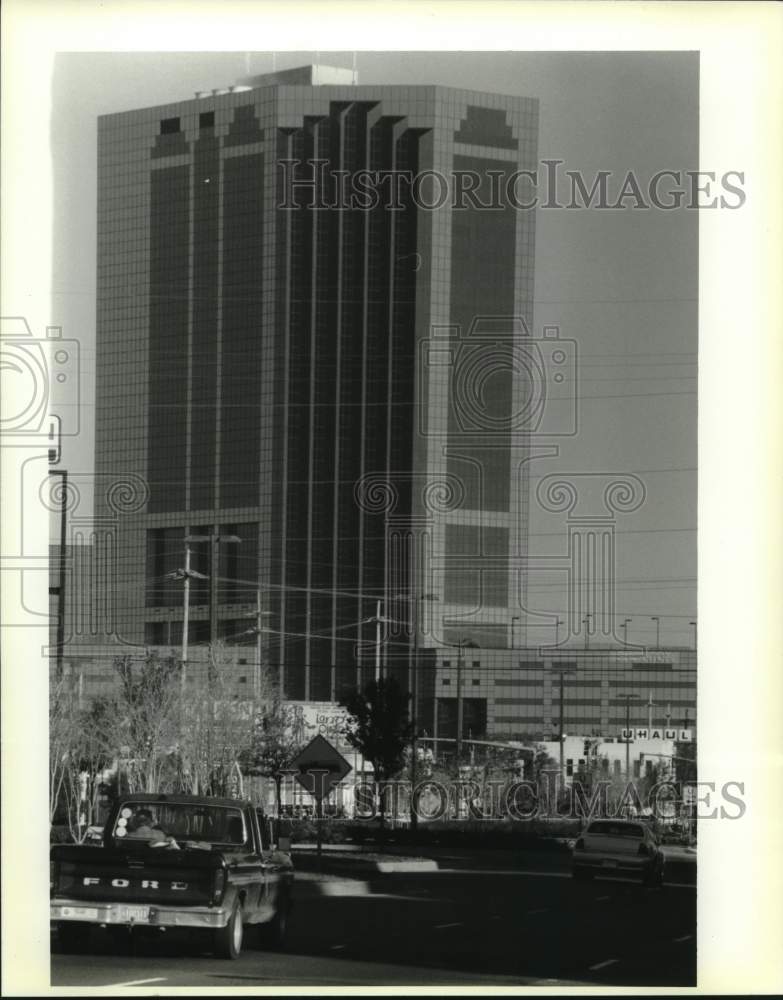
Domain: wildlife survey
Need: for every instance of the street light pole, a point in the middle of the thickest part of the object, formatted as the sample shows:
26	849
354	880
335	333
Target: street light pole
657	631
558	623
625	630
514	619
459	703
695	634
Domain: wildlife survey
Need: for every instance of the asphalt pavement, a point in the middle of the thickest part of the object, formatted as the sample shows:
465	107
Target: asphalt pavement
463	925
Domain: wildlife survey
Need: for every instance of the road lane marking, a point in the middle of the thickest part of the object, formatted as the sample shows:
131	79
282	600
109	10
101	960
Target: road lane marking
337	947
602	965
137	982
685	937
442	927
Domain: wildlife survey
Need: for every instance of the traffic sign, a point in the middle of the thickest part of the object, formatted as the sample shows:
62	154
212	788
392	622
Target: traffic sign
320	767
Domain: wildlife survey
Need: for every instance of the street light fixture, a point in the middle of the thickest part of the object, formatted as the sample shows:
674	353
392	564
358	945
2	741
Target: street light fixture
586	623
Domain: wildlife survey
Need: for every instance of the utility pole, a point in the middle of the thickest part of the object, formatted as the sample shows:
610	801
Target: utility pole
214	568
61	568
185	610
562	671
414	712
461	645
185	575
378	640
257	672
650	705
459	703
628	698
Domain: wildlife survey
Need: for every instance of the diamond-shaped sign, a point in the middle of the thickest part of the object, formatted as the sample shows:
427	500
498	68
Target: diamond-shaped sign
320	767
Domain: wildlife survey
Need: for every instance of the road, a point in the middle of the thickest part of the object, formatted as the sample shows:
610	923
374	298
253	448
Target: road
465	926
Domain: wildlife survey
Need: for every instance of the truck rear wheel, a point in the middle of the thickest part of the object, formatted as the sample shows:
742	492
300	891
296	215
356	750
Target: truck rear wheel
227	942
273	933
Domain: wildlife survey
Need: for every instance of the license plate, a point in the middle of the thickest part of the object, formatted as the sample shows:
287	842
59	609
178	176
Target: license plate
609	864
137	914
79	912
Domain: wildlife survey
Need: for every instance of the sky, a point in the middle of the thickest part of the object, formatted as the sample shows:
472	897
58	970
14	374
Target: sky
621	284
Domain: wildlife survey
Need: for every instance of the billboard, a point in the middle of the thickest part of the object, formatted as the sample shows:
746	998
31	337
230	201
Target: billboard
319	718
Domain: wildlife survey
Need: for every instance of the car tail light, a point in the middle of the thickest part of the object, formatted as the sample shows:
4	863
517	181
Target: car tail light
644	849
218	887
579	845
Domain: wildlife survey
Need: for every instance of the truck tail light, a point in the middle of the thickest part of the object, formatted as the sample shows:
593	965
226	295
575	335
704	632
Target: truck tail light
218	887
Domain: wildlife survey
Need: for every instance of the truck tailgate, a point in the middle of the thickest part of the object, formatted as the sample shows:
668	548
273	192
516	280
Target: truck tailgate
148	875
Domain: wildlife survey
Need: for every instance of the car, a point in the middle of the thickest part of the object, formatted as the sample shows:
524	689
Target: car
175	861
618	847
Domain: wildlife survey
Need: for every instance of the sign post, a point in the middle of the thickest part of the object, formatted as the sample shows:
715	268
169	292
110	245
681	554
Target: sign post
319	767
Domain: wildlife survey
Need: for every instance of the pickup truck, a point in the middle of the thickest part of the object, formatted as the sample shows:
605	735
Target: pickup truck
171	861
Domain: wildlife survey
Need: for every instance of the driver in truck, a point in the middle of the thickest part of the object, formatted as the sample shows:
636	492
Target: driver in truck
145	828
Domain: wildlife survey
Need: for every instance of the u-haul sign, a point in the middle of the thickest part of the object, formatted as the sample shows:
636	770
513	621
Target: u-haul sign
678	735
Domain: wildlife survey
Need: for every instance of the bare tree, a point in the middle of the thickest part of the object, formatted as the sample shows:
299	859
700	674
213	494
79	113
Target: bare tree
63	726
93	752
276	742
147	724
82	747
217	726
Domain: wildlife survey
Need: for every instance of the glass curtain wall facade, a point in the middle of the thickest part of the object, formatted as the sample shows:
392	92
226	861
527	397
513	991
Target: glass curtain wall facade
267	352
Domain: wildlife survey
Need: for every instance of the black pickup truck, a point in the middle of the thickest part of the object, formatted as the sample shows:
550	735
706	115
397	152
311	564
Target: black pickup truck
171	861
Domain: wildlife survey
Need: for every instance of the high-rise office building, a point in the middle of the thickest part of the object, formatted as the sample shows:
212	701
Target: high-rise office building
309	302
